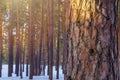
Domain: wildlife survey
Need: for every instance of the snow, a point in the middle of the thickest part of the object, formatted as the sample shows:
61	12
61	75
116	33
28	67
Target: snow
41	77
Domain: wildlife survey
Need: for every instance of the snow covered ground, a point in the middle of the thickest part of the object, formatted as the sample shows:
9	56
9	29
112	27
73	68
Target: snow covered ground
41	77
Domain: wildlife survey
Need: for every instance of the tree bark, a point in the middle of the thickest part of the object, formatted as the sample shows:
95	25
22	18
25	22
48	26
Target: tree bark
31	41
1	38
51	28
28	51
48	23
18	45
65	36
10	47
10	43
93	42
21	52
58	41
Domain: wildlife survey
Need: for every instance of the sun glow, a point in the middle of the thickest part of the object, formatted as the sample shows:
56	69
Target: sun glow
82	9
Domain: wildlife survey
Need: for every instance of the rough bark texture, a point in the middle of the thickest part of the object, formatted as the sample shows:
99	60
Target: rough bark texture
93	42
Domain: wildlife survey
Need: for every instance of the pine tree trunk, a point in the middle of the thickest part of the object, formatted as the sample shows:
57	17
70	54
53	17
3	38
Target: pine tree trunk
10	43
17	51
43	40
93	43
65	36
21	53
18	47
40	47
58	41
10	47
0	46
28	51
48	36
51	28
24	49
31	40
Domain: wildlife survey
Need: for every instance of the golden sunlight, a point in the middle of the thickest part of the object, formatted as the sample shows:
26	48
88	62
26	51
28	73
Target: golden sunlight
82	9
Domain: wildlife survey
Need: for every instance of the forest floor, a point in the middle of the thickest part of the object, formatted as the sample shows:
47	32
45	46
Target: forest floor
41	77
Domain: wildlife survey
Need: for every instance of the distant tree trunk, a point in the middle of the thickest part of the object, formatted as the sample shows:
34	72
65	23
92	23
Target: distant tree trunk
43	54
28	51
58	40
36	51
24	49
64	34
119	36
44	45
17	50
21	52
10	52
93	42
23	60
48	23
1	45
40	44
31	41
119	24
51	30
43	37
40	48
17	61
10	43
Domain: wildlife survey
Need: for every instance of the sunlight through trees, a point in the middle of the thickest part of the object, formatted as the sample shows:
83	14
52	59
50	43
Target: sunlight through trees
82	36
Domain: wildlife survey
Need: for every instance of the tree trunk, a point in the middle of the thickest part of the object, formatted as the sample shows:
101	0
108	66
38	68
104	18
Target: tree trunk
24	49
40	47
51	28
43	37
31	40
28	51
17	51
65	36
17	61
10	47
93	41
119	28
58	41
21	52
48	23
0	45
10	43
